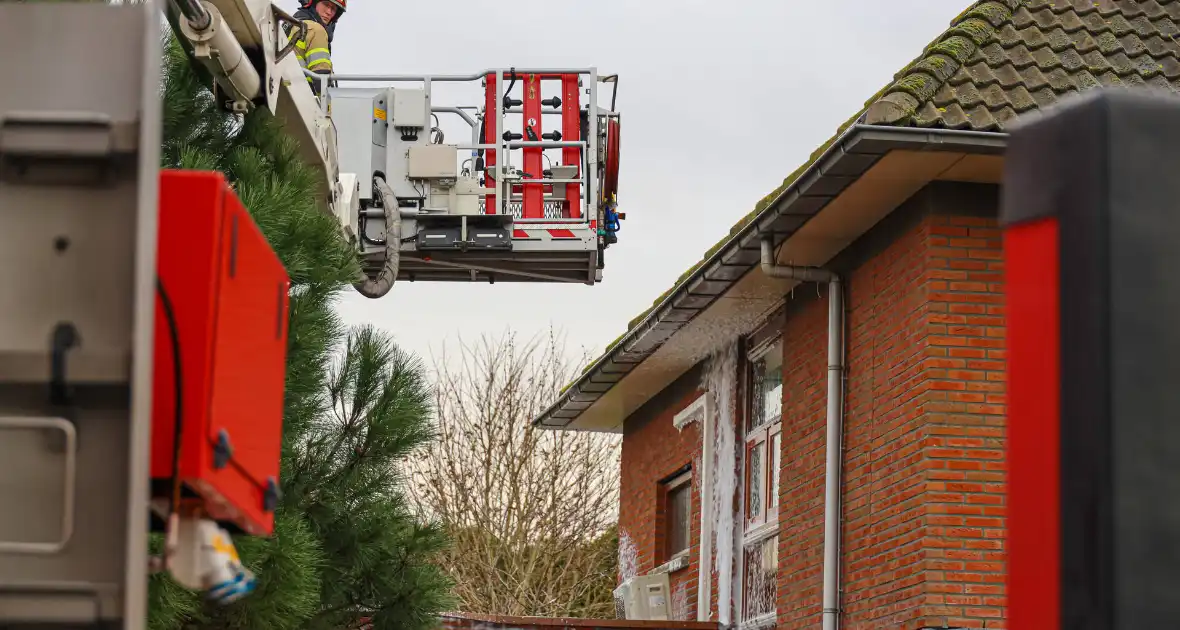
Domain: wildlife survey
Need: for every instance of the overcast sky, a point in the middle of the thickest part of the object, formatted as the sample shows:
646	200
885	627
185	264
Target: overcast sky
720	101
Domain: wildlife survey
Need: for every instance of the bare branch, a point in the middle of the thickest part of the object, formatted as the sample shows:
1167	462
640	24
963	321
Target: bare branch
531	512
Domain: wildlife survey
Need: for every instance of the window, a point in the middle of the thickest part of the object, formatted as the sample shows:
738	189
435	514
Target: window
760	578
677	515
763	443
764	435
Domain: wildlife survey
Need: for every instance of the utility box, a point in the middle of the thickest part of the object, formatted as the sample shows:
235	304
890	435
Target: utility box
434	161
643	597
224	308
411	109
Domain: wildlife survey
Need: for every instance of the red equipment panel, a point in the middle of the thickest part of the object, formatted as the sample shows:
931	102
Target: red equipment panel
533	206
528	88
571	131
228	294
1093	296
1031	254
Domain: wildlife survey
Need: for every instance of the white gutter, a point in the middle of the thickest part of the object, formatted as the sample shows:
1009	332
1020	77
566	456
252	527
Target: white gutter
835	422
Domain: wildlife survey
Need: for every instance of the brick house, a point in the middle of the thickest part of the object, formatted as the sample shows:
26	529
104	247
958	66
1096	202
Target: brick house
828	383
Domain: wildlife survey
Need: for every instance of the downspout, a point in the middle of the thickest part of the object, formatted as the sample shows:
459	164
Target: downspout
835	422
705	568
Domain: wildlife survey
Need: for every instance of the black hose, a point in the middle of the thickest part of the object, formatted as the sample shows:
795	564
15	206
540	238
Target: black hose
378	285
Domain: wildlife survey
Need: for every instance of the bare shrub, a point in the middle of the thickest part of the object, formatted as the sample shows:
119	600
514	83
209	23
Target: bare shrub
530	512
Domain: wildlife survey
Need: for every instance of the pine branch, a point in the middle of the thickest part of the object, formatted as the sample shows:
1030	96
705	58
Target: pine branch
343	521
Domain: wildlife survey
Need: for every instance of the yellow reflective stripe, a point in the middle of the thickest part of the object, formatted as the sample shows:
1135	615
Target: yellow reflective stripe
319	51
301	44
319	62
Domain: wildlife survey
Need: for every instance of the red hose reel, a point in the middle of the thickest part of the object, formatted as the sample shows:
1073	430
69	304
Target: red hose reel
610	177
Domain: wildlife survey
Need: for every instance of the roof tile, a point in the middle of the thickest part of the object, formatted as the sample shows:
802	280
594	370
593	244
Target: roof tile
1034	79
1069	22
1120	25
1110	79
1084	41
1096	62
1021	100
1072	60
1168	29
1060	41
1044	97
1153	10
1018	55
1122	64
1008	76
1133	80
938	66
1134	45
1143	26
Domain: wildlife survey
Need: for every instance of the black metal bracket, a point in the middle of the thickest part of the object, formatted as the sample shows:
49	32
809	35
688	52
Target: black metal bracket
272	495
281	18
223	450
61	394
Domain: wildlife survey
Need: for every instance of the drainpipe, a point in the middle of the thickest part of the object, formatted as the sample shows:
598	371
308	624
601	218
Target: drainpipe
705	569
835	421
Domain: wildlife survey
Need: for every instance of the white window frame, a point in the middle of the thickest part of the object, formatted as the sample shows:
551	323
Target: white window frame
675	483
756	531
696	411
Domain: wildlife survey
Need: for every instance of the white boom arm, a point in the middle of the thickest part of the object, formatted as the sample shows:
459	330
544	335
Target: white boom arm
242	44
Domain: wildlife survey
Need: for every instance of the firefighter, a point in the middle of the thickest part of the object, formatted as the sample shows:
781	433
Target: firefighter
315	49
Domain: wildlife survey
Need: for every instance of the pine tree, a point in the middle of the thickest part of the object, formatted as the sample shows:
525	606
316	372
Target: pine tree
345	546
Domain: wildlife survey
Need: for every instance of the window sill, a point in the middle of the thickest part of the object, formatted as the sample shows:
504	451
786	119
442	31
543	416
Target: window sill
760	533
758	623
679	562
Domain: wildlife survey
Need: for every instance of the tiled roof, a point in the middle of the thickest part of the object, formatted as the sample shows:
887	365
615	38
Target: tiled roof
1004	58
1001	58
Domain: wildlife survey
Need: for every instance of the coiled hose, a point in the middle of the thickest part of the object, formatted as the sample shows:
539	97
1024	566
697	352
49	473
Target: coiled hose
378	285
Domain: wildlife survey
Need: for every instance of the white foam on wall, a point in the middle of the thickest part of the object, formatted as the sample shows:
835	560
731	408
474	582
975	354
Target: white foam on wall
719	380
680	610
628	557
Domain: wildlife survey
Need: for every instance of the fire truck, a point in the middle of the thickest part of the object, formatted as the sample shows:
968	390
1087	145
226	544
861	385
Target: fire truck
143	314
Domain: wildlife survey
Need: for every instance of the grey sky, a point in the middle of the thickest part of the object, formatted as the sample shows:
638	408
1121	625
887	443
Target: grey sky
720	101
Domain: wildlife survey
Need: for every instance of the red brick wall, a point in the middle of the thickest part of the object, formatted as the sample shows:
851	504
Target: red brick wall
924	425
653	450
965	423
924	498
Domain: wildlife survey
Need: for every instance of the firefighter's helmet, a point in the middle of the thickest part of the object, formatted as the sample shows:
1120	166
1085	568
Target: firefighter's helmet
341	6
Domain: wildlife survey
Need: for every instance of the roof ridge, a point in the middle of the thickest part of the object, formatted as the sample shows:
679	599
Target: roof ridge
922	78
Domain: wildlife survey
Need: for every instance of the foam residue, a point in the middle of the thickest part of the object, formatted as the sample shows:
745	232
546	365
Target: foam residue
680	610
628	557
719	380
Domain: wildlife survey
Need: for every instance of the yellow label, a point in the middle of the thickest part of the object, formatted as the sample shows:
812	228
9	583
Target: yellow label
222	546
379	114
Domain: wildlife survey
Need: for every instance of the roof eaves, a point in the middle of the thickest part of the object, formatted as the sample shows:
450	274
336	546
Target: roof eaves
850	155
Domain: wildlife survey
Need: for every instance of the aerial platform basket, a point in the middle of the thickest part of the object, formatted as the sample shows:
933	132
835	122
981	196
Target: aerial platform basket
516	203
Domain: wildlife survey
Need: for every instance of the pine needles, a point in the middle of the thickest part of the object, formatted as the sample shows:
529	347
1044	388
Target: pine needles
346	546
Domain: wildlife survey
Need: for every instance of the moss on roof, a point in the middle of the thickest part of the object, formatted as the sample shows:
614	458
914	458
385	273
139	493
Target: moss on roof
1000	58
